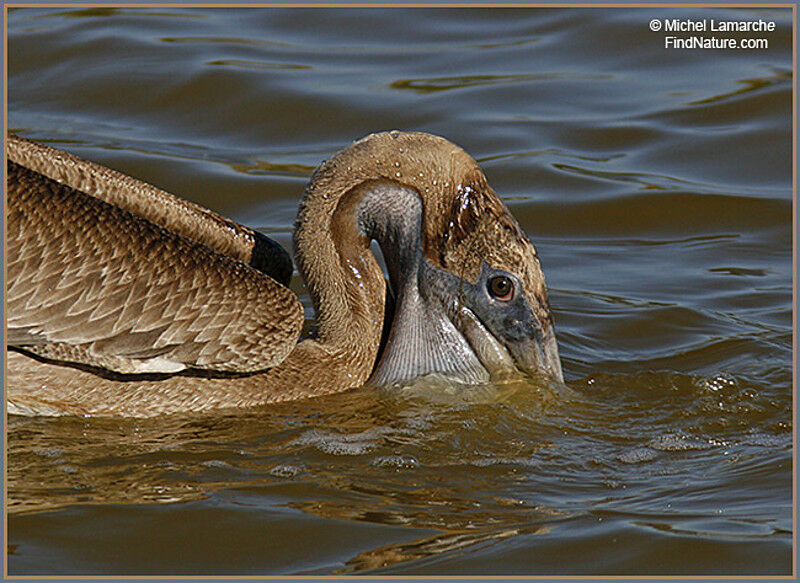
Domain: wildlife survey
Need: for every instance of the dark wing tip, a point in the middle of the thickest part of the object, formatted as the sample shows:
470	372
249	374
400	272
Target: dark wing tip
270	258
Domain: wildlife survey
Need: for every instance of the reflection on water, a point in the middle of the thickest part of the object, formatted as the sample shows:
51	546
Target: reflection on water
466	473
389	555
433	84
657	187
749	85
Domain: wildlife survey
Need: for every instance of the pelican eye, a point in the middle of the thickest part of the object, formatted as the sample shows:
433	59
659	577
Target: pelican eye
501	288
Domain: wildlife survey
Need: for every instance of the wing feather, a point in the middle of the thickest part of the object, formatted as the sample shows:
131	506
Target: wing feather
92	283
161	208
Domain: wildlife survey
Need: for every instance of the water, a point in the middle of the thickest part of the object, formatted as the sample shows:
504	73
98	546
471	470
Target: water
657	186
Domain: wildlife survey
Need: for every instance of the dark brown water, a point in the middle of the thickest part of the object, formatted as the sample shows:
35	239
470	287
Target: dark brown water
657	186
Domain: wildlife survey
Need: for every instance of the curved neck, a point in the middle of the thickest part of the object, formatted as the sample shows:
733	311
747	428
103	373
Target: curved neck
343	277
332	252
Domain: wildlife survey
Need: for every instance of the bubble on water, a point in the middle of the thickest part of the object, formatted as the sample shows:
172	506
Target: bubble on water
420	422
765	440
400	462
469	424
215	464
286	470
679	442
638	455
719	382
491	460
343	443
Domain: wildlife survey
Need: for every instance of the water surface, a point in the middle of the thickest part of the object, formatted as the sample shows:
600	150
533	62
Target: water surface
657	187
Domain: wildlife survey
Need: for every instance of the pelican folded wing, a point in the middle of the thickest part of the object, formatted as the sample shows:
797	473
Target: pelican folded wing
140	298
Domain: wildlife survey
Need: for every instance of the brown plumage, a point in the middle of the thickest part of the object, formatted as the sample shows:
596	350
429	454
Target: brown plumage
121	304
125	300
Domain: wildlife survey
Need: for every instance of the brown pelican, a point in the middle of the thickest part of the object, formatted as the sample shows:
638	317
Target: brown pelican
125	300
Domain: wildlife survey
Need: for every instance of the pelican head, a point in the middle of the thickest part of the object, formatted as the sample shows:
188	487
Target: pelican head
469	298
